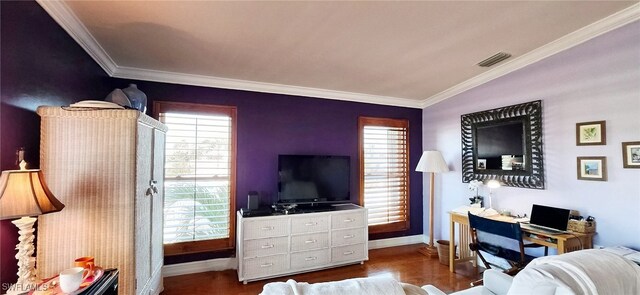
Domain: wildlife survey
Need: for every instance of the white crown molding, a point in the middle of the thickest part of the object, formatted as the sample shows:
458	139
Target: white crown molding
63	15
614	21
217	82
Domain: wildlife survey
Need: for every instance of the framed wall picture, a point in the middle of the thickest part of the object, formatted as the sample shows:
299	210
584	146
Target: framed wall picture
631	154
591	133
482	164
592	168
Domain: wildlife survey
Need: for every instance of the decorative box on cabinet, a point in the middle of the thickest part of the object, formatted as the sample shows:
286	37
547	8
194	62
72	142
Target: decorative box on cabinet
107	167
277	245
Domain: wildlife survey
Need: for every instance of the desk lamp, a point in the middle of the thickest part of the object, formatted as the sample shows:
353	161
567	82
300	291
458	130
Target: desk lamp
492	184
23	193
431	161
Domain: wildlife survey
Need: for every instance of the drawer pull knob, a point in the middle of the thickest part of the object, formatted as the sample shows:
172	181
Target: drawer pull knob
266	264
267	228
349	236
347	253
310	241
267	246
310	258
311	223
349	220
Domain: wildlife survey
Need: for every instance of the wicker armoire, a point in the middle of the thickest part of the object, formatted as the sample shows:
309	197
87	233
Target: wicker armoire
107	167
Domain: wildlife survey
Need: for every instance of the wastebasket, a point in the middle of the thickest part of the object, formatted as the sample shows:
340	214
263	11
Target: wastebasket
443	251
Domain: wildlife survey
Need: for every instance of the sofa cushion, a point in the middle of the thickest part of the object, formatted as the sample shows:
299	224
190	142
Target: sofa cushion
587	272
496	281
358	286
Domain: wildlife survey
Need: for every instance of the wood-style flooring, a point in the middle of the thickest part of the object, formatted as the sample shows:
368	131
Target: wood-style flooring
403	263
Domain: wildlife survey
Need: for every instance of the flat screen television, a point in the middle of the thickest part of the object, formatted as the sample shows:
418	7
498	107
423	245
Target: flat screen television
313	179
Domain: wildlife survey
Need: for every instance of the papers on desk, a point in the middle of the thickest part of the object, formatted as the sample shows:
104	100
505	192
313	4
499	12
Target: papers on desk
488	212
476	211
464	209
625	252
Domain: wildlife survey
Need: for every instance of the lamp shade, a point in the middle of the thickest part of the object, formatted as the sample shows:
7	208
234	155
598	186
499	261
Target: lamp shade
24	193
493	183
432	161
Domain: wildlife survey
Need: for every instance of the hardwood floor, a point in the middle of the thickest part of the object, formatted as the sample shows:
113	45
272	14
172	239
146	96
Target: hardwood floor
403	263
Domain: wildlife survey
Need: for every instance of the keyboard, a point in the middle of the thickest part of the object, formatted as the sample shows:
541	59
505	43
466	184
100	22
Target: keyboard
543	228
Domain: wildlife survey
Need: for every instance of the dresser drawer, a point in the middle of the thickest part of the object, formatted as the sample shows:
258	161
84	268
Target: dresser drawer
348	220
302	224
265	247
347	237
265	266
265	228
348	253
309	259
310	241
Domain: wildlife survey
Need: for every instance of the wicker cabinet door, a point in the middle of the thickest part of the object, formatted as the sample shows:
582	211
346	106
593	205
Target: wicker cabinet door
157	209
144	197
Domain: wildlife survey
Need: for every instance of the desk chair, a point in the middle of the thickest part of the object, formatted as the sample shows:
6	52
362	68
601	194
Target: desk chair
500	239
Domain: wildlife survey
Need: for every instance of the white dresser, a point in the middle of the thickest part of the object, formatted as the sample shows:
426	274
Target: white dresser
272	246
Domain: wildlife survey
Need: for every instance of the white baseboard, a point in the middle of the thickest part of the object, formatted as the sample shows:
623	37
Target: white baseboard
199	266
232	263
399	241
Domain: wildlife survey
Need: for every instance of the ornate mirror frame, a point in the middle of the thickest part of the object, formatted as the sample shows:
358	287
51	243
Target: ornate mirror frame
531	115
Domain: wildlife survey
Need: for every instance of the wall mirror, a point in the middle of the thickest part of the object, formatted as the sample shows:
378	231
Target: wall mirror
504	144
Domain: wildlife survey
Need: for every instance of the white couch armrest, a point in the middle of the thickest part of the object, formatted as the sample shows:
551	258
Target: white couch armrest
432	290
496	281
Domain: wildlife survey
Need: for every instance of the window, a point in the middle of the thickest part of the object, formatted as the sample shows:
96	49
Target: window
384	172
199	183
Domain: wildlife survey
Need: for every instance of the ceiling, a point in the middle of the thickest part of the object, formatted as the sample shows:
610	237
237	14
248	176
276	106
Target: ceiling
410	54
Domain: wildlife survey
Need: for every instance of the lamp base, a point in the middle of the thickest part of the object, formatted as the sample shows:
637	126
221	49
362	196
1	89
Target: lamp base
26	263
429	251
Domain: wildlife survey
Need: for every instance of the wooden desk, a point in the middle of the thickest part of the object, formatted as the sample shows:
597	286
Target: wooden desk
563	242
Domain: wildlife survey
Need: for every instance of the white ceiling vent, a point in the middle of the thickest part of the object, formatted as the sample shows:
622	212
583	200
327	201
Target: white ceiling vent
494	59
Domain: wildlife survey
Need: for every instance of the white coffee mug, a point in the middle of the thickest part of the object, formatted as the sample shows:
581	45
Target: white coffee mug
71	278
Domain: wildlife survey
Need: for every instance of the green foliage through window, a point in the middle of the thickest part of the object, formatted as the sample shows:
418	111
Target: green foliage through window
197	177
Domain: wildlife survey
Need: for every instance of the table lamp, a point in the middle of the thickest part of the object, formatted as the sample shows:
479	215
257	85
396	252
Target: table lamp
23	193
431	161
492	184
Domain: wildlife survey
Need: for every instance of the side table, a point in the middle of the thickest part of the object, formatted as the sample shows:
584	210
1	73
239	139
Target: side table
106	285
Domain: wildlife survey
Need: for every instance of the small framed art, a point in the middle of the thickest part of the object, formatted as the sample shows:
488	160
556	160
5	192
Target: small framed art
591	133
482	164
631	154
592	168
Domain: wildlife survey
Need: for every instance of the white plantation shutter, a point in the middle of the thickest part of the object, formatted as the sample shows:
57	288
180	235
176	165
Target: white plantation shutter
384	161
199	176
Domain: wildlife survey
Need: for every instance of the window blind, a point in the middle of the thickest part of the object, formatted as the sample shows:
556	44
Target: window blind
384	181
198	164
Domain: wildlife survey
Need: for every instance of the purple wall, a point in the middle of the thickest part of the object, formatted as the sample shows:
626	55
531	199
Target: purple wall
41	65
597	80
273	124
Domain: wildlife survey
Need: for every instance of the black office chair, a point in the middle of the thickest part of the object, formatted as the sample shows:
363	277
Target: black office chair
500	239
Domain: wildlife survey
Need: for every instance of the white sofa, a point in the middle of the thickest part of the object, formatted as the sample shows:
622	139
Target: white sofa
587	272
357	286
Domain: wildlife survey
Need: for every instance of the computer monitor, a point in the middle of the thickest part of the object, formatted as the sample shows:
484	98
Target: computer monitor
552	217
